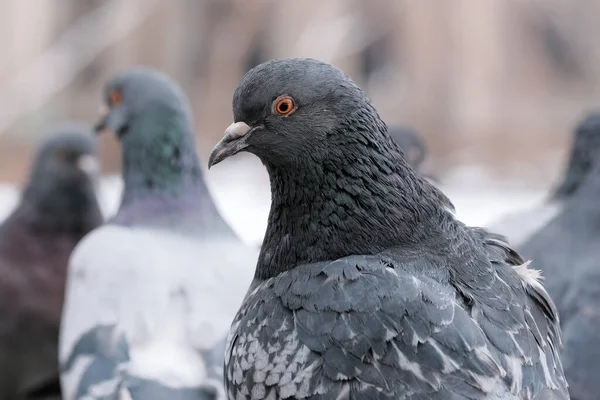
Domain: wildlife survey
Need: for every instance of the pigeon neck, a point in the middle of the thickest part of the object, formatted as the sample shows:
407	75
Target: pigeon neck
584	153
585	201
145	185
339	208
65	207
192	211
158	156
163	181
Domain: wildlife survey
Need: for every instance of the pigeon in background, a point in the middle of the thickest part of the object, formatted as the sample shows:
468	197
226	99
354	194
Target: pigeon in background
411	142
585	153
151	294
568	252
366	286
58	207
414	148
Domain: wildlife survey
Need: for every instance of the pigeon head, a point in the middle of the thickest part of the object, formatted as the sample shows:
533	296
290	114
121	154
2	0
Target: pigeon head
585	154
133	94
67	156
152	119
287	111
61	186
339	184
411	143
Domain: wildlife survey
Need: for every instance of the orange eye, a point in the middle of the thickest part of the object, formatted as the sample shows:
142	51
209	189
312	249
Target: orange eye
284	105
115	97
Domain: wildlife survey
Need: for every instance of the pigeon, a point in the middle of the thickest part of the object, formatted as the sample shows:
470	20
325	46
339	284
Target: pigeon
519	227
411	143
58	207
366	286
415	150
567	251
151	294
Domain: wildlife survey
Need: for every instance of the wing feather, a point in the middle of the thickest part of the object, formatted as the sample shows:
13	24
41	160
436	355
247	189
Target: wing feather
368	326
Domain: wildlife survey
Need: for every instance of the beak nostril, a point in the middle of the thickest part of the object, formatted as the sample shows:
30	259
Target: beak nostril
237	130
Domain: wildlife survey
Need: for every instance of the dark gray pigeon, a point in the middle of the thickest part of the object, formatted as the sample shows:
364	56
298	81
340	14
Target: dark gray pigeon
151	295
568	251
585	150
366	286
58	207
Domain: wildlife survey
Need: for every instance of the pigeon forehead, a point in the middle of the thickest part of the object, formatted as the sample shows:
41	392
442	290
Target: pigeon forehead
78	138
302	78
142	84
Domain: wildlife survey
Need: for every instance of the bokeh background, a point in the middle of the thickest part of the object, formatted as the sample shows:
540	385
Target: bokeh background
494	86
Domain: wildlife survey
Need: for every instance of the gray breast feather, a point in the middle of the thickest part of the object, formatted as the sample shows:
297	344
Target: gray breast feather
362	326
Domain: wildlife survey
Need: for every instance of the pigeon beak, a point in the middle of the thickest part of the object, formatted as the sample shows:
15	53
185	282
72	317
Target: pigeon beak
101	125
114	120
232	143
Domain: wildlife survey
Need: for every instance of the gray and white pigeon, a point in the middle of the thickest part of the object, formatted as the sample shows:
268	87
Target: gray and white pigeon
568	252
58	207
366	286
150	295
585	150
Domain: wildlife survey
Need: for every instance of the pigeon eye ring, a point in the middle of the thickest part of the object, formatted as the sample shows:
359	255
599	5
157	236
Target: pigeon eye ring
115	97
284	105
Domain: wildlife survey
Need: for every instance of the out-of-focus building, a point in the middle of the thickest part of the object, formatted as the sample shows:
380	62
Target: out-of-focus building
495	82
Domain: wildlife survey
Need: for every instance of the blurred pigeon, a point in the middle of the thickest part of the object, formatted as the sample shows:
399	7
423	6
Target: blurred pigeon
411	142
584	153
151	295
415	150
366	286
58	207
568	251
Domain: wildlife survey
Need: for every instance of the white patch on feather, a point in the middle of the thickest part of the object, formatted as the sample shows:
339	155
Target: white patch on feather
344	393
485	383
532	277
484	355
410	366
449	364
547	375
515	371
124	394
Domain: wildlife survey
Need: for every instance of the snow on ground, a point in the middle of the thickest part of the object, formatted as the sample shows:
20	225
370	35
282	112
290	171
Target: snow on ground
240	187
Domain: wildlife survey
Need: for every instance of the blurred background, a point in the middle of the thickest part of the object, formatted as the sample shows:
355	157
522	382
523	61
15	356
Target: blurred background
494	86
